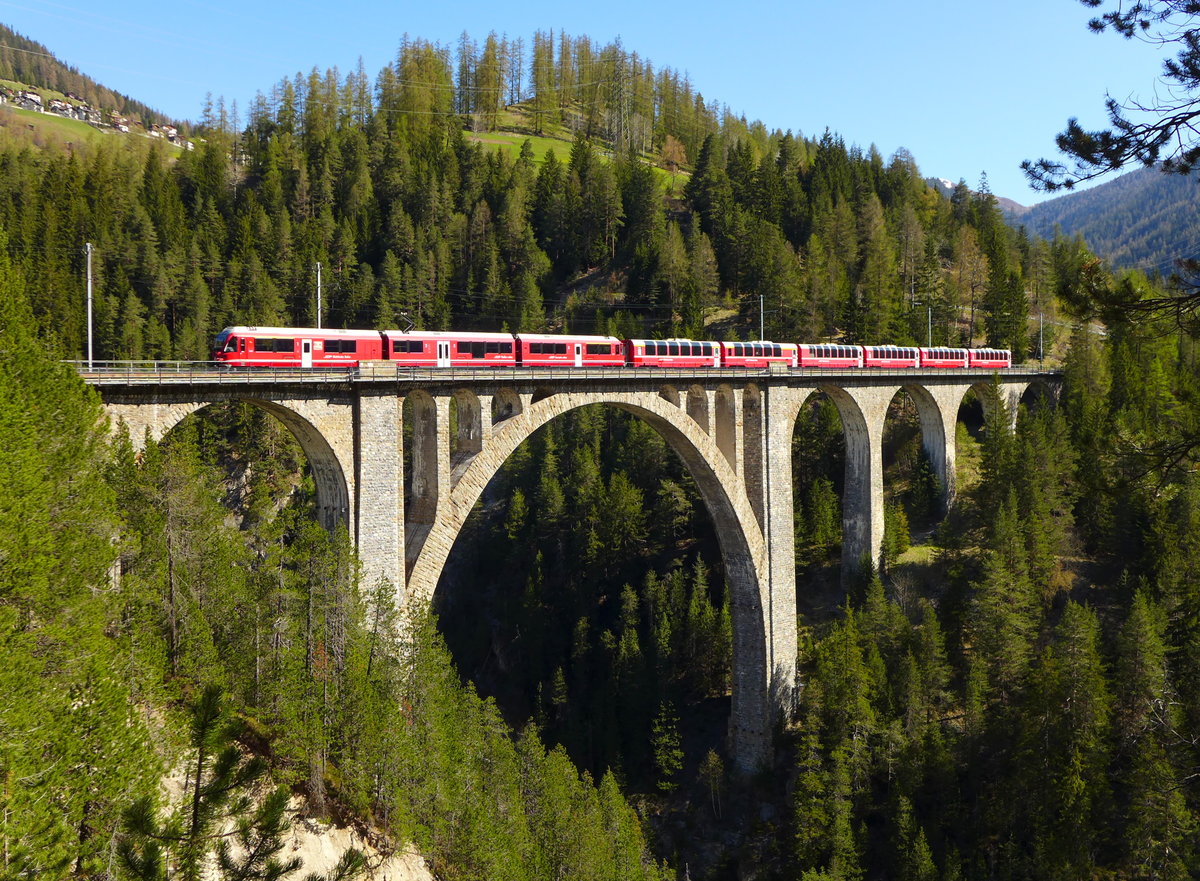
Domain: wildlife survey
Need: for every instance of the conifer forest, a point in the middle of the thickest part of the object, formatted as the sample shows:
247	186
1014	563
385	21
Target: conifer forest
1014	694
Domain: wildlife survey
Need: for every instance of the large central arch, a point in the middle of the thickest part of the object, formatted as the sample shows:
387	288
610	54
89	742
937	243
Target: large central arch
740	538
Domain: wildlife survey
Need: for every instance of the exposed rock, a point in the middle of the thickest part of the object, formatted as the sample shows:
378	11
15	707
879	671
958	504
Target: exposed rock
321	845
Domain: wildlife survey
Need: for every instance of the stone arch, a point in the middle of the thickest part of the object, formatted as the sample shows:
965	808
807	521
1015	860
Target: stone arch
862	492
697	407
934	438
331	462
424	459
862	524
540	394
329	475
506	403
1040	393
755	660
468	413
753	453
1008	394
725	416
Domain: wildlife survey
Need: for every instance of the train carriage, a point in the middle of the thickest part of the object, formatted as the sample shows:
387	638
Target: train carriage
942	356
830	355
566	350
248	346
989	359
305	347
758	354
891	356
672	353
436	348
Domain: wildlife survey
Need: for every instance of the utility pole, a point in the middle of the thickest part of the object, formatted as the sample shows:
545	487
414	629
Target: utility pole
88	250
1041	349
929	318
318	295
761	334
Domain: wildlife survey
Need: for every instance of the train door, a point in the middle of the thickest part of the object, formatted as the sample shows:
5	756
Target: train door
443	353
306	353
578	354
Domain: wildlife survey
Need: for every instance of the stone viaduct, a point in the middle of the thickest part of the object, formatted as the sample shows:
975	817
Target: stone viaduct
732	428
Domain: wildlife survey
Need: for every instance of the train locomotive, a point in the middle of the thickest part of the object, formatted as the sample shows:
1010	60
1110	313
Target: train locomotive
301	347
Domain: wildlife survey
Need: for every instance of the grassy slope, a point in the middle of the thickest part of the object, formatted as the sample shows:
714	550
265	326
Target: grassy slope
50	129
516	127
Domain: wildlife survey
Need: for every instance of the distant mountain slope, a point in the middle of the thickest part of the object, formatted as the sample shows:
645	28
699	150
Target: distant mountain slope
1143	219
25	61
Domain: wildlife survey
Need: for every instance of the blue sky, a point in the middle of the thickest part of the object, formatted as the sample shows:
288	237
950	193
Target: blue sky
968	87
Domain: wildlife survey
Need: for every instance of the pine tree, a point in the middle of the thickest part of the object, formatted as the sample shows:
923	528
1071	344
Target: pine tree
665	744
1158	828
72	747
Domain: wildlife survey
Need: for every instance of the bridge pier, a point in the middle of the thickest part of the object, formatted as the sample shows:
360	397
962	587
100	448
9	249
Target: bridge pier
379	457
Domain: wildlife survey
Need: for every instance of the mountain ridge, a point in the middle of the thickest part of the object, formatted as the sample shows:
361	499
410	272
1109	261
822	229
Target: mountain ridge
1144	219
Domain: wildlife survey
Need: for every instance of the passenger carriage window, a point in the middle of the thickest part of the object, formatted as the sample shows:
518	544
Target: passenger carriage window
777	351
672	348
492	348
535	348
506	348
478	350
560	348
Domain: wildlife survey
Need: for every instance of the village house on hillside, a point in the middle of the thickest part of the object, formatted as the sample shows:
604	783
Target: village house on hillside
74	107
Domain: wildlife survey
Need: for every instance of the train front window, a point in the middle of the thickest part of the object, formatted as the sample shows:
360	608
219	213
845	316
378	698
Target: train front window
231	344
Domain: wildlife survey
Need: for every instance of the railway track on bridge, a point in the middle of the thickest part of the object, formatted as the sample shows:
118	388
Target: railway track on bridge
203	373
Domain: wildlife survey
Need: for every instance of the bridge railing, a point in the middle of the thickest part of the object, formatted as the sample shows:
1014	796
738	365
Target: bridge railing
192	372
206	372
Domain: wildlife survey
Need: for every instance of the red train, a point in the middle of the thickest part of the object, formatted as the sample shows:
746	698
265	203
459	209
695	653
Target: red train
312	347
